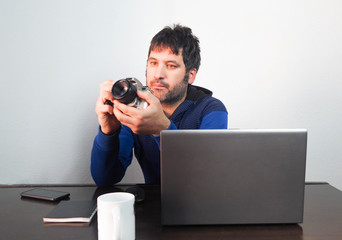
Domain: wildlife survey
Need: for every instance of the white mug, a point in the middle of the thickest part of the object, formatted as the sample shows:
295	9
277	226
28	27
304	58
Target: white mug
115	216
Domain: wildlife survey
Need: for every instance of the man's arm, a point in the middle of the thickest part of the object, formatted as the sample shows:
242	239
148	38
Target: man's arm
105	114
112	148
215	120
110	156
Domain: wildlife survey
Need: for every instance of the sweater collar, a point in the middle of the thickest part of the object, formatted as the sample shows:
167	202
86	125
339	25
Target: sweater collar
194	94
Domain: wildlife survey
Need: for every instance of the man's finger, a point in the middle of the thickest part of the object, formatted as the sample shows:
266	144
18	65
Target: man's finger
125	109
147	96
107	85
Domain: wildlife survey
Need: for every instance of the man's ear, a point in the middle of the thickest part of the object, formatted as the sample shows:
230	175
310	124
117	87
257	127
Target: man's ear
192	75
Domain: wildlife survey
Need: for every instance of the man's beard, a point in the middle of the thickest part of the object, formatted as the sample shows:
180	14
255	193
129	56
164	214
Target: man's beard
177	94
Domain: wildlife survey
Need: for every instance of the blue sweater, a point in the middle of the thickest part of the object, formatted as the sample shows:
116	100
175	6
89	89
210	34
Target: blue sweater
112	154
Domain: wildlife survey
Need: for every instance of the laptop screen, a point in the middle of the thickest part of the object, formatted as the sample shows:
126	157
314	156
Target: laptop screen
233	176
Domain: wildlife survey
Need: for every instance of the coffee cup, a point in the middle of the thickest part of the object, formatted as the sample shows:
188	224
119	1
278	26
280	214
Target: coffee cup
115	216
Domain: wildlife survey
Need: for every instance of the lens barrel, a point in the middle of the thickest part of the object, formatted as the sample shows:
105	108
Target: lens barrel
124	91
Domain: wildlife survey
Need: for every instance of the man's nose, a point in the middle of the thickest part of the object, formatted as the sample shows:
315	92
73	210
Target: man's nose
159	72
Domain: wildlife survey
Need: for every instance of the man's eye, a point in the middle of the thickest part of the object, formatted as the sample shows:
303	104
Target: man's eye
153	63
170	66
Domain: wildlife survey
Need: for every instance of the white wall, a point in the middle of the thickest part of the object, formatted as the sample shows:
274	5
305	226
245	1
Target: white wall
275	64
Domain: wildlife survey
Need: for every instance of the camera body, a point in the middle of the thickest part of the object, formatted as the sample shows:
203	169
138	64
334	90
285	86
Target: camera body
125	91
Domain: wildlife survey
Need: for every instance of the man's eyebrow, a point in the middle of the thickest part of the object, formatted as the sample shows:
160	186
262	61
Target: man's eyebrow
173	61
167	61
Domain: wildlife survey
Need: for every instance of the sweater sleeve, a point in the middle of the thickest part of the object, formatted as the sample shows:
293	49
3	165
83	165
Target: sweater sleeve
110	156
215	120
171	127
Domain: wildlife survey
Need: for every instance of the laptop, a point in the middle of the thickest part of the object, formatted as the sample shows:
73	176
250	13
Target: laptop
241	176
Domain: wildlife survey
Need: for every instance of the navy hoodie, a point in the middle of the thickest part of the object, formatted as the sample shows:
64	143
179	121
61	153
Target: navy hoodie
112	154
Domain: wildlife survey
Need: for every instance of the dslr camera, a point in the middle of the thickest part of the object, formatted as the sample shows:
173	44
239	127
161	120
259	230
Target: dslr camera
125	91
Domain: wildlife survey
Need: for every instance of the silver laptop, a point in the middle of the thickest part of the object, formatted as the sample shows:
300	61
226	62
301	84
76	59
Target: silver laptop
233	176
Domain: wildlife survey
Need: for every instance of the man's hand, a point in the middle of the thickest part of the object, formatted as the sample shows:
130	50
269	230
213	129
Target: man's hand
150	120
105	115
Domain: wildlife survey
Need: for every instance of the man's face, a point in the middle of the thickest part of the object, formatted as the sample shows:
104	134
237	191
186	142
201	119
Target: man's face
165	75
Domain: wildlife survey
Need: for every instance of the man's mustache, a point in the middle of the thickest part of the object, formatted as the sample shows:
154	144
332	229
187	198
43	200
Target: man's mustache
161	82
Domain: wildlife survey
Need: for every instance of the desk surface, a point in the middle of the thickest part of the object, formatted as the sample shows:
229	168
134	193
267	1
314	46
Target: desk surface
22	218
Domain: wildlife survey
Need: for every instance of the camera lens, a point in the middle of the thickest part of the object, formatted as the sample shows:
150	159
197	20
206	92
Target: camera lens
121	89
124	91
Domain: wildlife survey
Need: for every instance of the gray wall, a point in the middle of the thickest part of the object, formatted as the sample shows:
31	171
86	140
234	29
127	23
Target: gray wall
275	64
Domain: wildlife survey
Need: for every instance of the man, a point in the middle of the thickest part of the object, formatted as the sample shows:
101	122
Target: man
172	64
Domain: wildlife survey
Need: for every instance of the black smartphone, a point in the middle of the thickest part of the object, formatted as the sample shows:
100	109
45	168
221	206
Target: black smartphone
45	194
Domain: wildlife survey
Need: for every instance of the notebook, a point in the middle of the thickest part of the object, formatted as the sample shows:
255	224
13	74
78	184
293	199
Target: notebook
233	176
72	212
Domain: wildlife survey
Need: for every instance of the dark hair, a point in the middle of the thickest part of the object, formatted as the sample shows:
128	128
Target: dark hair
179	38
